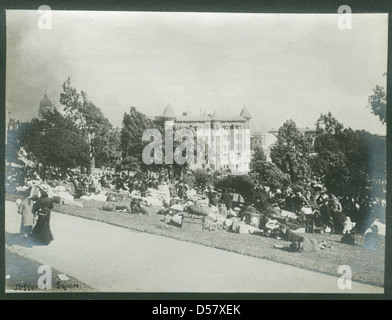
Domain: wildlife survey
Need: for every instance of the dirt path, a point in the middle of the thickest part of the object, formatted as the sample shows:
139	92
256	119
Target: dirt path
114	259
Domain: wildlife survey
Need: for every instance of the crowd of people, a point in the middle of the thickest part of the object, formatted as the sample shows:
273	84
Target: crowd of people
311	206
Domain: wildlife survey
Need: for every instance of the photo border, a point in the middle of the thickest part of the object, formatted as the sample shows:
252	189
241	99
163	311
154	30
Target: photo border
286	6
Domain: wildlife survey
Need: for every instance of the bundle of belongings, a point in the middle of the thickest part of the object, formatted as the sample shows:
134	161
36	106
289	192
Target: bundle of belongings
199	199
199	209
164	190
191	193
153	197
247	222
136	206
212	217
274	217
288	214
214	220
96	197
118	208
158	195
242	228
172	215
153	201
59	194
117	196
271	228
174	220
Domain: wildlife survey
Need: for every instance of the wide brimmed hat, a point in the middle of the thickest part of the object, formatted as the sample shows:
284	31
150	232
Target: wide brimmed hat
44	188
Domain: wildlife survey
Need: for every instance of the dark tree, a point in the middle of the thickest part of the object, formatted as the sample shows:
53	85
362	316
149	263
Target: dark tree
351	163
268	174
290	152
135	124
96	129
258	153
54	142
378	102
202	178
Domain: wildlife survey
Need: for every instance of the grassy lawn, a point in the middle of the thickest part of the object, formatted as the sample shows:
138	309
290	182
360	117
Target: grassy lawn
367	266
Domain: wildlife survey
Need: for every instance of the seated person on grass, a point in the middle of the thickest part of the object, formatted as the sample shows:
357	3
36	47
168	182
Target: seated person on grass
372	239
137	208
165	208
349	238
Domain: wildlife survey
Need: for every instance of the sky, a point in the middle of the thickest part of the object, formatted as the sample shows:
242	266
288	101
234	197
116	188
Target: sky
280	66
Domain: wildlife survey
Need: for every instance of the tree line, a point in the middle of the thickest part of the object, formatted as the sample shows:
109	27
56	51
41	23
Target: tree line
351	163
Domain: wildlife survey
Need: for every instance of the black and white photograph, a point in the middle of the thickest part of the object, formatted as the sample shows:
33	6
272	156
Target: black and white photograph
195	152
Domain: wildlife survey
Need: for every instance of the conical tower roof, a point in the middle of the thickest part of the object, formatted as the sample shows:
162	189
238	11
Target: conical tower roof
245	113
214	115
206	115
168	112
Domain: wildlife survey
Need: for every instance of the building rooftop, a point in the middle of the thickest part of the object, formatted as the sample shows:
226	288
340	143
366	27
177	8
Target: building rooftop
245	113
192	118
168	112
228	118
206	115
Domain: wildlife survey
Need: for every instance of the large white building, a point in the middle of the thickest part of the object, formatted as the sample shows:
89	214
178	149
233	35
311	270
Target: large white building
229	135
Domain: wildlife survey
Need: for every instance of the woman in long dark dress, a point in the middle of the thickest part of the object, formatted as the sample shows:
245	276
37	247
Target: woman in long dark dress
41	231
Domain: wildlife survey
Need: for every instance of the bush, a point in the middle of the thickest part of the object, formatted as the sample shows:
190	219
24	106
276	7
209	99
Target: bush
242	184
268	174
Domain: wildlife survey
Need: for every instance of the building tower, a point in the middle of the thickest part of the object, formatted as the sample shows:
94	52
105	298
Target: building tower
44	106
245	114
